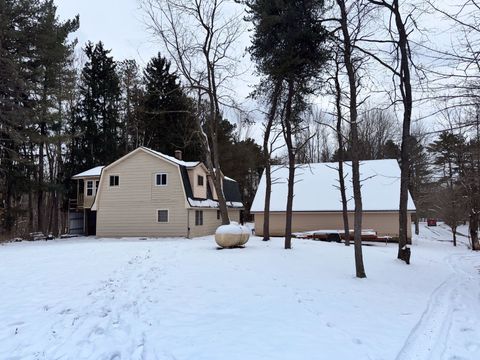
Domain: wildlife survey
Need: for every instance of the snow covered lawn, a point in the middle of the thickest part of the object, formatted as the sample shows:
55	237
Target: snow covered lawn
182	299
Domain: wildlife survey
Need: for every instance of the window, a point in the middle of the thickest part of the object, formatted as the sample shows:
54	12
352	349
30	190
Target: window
160	179
200	180
162	216
114	180
198	217
218	214
89	188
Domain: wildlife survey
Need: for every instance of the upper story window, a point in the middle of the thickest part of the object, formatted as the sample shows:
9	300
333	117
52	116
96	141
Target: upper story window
114	180
161	179
89	187
200	180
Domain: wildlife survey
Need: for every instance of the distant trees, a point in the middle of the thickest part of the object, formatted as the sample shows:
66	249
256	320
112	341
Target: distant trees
449	198
35	55
60	116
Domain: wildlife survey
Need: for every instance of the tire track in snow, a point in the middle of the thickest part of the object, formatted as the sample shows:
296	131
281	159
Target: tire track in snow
431	336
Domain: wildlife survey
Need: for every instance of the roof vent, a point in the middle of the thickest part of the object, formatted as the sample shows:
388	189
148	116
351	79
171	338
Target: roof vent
178	154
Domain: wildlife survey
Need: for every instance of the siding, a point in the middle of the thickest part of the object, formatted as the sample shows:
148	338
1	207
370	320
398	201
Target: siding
210	221
131	208
385	223
198	191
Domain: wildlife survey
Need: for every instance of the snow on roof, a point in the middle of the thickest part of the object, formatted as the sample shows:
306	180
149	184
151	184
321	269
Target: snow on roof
316	187
228	178
209	203
96	171
175	160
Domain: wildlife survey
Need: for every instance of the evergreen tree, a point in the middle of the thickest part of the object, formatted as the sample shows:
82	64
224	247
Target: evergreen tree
287	46
448	151
98	120
167	112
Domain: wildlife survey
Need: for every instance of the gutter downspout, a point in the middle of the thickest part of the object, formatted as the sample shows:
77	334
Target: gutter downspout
188	223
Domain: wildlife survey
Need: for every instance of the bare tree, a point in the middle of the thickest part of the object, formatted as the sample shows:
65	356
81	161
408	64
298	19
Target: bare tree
399	39
199	37
267	155
341	150
347	43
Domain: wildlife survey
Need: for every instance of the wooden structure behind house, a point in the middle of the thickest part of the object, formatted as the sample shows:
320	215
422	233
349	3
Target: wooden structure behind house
147	193
317	202
82	220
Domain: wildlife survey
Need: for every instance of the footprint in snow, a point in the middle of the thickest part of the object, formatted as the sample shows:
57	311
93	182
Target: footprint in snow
357	341
473	347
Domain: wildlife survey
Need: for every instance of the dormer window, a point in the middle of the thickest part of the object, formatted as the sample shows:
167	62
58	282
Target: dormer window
161	179
200	180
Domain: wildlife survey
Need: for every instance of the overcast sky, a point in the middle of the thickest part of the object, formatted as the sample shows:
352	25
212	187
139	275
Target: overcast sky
115	22
118	23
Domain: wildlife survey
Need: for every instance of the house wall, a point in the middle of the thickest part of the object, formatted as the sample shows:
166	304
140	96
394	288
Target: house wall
131	208
210	221
198	191
384	223
88	200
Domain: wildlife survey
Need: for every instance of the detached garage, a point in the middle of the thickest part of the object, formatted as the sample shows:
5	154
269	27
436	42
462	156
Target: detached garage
317	202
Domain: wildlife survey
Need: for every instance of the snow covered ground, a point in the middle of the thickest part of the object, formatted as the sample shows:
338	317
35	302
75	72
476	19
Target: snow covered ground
88	298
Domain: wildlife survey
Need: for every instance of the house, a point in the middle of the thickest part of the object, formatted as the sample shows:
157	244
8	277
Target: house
147	193
317	201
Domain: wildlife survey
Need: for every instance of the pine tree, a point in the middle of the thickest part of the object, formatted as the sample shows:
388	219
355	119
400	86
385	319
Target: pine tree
290	52
98	120
167	112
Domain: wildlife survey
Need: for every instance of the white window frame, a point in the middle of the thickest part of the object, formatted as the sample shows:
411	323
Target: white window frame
113	186
166	179
91	188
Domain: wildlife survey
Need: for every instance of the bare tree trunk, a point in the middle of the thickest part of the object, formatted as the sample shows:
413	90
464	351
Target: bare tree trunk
473	225
341	175
287	131
40	192
454	232
357	194
406	139
405	86
267	158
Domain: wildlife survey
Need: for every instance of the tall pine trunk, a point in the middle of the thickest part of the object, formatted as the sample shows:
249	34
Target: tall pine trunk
287	131
40	179
267	154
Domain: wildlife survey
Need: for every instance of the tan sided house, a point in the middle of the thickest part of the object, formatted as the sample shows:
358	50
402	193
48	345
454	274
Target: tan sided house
317	202
147	193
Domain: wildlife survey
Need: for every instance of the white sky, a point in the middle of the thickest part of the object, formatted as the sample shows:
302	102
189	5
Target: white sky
118	23
115	22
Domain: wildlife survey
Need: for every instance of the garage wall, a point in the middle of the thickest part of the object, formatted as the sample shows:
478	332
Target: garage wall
385	223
